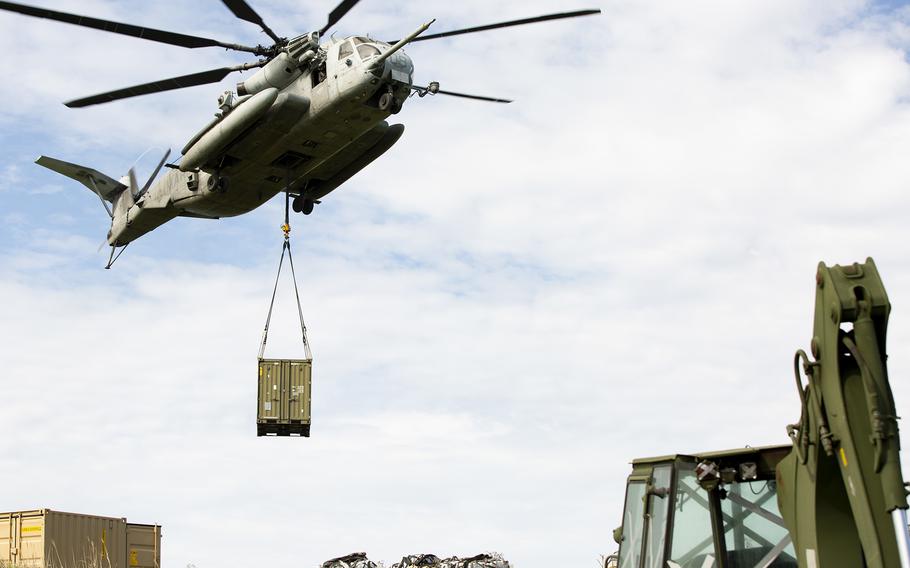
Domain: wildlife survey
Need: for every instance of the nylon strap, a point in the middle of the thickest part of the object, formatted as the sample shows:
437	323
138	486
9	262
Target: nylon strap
286	248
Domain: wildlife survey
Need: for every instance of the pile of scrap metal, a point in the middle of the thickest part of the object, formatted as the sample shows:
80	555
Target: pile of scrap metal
355	560
431	560
360	560
419	560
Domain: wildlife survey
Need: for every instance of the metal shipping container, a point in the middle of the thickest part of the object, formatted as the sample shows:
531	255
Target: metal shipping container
284	397
143	545
44	538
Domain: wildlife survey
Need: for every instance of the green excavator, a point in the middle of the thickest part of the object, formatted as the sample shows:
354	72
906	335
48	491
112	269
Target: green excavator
833	498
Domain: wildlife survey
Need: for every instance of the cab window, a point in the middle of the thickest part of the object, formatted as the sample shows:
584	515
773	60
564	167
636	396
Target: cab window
632	521
693	537
753	527
658	508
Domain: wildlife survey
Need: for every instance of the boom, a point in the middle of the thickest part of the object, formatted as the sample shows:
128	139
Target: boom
835	497
841	489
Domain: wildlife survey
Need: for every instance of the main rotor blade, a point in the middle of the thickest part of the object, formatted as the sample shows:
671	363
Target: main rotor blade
425	90
203	78
547	18
152	34
245	12
339	12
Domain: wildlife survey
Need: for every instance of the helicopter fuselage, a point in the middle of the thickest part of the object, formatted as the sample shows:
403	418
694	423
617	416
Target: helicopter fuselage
312	116
304	129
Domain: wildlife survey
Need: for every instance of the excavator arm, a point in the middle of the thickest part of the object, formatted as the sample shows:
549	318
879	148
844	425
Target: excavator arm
833	498
840	490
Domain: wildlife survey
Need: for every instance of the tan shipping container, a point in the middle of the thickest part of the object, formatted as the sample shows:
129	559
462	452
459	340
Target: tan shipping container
43	538
143	545
284	397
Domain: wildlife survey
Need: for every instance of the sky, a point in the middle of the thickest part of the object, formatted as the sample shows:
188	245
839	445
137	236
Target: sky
504	310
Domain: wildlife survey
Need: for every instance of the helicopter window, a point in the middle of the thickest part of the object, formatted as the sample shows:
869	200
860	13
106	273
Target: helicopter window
358	40
319	74
345	50
367	51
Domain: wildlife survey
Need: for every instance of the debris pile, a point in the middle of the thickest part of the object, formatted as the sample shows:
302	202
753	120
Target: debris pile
493	560
360	560
355	560
419	560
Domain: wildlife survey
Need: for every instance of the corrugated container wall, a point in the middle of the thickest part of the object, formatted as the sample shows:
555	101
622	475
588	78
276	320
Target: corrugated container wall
53	539
143	545
284	397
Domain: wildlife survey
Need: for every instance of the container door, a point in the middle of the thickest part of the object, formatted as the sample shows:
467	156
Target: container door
269	389
6	538
299	376
31	539
15	537
143	546
283	389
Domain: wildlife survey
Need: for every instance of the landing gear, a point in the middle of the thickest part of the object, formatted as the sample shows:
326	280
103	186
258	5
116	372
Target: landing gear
303	205
217	183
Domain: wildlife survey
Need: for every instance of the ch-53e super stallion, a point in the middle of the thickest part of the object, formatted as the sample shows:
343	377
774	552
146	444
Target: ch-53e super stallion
311	117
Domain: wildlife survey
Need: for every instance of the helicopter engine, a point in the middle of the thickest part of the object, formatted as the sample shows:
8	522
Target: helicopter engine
277	73
284	68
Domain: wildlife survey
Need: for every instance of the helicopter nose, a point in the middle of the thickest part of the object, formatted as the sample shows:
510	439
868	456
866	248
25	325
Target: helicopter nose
402	67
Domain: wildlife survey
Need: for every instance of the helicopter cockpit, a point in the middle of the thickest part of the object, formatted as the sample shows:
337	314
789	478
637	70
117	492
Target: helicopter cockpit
367	49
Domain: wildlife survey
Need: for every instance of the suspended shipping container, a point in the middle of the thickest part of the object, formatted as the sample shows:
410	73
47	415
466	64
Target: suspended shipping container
53	539
284	397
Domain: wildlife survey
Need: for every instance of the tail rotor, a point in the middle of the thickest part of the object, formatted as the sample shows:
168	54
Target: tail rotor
148	184
130	196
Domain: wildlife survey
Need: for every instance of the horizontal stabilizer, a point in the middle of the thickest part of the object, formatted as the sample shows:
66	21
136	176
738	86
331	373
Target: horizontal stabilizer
107	187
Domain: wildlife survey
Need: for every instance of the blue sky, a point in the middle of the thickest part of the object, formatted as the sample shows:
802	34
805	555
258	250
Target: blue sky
504	310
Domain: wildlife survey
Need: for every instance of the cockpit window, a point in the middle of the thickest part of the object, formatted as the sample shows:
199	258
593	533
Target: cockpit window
345	50
367	51
358	40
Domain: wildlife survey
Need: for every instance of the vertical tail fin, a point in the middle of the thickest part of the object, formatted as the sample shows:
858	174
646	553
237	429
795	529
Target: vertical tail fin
127	196
118	197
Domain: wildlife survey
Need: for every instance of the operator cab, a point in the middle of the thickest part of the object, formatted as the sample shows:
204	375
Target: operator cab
713	510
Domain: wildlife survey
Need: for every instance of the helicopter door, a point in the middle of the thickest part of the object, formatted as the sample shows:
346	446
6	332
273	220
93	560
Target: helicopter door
340	59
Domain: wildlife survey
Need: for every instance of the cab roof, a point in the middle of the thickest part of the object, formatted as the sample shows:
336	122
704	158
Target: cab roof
716	455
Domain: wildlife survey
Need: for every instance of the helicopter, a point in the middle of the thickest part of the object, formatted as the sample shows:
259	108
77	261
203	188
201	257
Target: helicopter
313	115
